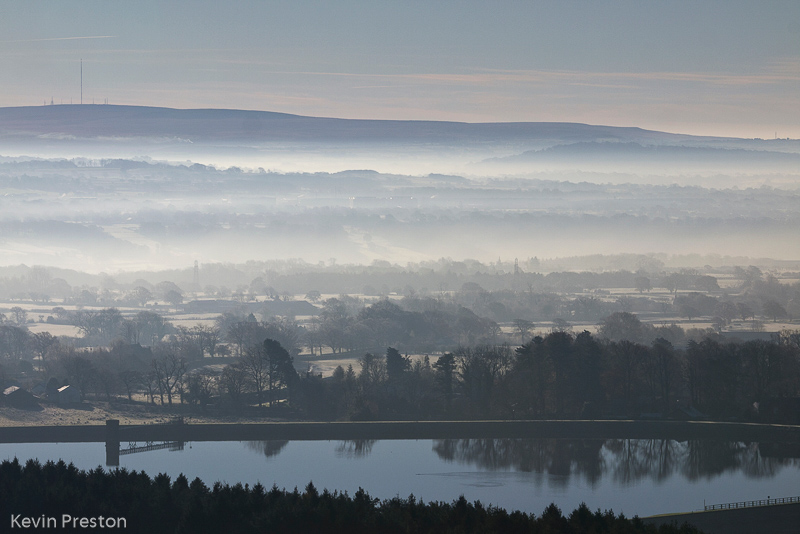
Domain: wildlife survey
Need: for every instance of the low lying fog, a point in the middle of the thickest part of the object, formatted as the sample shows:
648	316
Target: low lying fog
113	206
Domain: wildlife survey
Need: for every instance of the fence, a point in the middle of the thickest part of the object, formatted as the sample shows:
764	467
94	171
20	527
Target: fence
750	504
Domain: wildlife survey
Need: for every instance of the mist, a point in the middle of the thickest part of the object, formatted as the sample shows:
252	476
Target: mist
357	192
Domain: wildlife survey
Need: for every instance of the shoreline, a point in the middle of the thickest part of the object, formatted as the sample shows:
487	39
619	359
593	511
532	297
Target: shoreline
396	430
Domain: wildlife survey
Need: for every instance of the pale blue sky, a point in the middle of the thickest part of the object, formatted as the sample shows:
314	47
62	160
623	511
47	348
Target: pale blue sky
705	67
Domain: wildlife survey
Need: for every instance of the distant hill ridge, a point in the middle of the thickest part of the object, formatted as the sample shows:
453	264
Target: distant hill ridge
92	121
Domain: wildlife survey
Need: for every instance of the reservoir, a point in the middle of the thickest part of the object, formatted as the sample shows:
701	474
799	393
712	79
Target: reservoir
633	476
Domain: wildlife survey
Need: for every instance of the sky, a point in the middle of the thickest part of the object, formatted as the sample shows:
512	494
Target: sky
729	67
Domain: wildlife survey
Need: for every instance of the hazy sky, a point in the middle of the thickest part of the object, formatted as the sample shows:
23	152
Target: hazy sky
725	67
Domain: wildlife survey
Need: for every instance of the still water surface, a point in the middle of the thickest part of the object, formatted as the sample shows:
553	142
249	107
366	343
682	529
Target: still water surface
636	477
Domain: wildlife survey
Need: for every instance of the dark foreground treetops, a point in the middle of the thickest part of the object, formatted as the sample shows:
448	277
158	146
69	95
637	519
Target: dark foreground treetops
157	505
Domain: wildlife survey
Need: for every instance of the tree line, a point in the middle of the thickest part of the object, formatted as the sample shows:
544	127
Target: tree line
566	375
629	369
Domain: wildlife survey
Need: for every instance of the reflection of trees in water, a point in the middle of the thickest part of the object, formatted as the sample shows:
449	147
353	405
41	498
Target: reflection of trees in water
754	465
707	459
711	458
634	459
268	448
557	458
625	460
355	448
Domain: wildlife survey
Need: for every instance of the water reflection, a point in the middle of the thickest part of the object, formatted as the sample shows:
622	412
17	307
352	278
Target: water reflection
626	461
559	459
633	460
356	448
268	448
